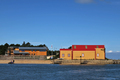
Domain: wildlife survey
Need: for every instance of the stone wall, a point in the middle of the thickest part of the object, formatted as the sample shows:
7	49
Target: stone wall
88	61
3	57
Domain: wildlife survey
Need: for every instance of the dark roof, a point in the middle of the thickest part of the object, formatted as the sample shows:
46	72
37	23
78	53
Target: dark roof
17	52
32	48
14	47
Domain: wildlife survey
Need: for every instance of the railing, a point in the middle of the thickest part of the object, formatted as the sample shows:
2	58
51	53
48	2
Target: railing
41	57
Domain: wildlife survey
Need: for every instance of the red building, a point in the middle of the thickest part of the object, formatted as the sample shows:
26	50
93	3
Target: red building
85	51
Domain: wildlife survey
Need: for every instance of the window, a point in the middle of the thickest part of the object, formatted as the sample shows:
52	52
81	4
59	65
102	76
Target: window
23	50
68	55
86	47
74	47
97	46
63	55
34	54
97	54
82	54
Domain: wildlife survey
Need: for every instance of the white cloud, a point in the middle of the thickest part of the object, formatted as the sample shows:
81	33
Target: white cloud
109	51
117	51
84	1
113	51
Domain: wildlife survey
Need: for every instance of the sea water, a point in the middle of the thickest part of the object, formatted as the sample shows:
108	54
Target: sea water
59	72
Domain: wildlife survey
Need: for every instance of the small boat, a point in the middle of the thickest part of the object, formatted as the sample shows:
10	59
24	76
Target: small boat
12	62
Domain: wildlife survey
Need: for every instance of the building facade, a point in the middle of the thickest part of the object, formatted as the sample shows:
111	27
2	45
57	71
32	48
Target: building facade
27	51
83	52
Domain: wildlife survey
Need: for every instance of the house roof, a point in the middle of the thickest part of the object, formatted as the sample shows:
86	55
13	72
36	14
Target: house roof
32	48
17	52
13	46
86	47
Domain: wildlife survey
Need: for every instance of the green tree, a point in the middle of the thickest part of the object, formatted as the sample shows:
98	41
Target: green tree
70	47
23	44
3	48
12	44
17	45
6	45
28	44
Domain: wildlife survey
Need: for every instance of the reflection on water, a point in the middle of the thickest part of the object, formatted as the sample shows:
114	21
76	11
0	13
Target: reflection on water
58	72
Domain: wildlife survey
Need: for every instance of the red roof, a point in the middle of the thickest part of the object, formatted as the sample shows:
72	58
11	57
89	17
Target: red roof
86	47
65	49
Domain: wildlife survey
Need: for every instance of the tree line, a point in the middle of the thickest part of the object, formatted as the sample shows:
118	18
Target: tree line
4	47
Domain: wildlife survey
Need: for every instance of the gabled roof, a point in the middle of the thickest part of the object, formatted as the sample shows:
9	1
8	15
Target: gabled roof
32	48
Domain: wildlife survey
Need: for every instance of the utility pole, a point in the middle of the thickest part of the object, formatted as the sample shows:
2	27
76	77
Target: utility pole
52	50
80	59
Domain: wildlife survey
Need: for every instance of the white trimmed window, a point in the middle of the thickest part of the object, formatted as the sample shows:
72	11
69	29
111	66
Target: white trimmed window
68	55
82	54
97	54
74	47
63	55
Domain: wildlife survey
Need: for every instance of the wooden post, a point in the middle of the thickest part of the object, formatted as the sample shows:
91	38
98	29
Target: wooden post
80	59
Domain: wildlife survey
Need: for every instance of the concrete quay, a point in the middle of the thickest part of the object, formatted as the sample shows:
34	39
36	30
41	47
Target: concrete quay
78	62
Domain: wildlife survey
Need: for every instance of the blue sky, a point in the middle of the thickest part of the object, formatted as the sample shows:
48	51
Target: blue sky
61	23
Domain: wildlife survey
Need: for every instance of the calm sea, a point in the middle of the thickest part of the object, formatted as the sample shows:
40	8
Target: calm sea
59	72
